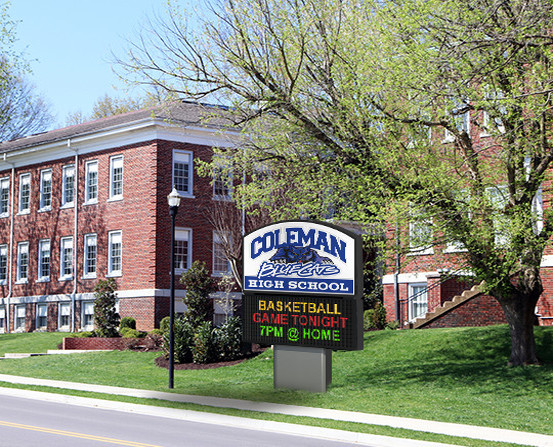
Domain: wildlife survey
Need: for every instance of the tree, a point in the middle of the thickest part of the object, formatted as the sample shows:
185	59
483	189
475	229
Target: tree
199	285
22	110
358	110
106	319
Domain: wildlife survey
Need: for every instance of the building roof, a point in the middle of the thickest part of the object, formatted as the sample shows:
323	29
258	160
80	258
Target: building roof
178	113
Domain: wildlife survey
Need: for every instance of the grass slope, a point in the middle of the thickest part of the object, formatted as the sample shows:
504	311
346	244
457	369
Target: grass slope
453	375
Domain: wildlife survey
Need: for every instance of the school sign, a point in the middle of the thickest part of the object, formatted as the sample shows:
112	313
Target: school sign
303	286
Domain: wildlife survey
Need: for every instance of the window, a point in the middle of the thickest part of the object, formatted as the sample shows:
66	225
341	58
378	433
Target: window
46	190
91	182
498	197
418	301
2	319
116	178
90	252
68	186
24	193
66	258
64	316
461	119
44	260
182	172
4	197
3	264
221	265
222	179
115	243
22	262
182	249
42	316
20	318
420	234
88	315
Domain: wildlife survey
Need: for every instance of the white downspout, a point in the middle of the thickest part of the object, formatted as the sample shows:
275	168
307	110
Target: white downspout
10	248
75	233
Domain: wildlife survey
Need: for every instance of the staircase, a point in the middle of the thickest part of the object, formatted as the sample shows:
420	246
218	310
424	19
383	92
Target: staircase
456	301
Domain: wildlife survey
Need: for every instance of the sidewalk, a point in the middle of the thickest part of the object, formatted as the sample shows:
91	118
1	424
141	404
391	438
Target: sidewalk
466	431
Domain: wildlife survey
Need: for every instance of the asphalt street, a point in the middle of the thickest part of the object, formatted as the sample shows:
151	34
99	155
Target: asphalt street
28	423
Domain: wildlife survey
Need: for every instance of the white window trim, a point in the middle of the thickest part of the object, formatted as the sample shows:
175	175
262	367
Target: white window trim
39	275
66	277
88	164
419	250
68	326
189	240
3	180
190	192
216	241
43	207
88	327
23	178
3	318
221	161
37	316
87	275
114	273
410	302
4	247
112	160
19	279
15	317
65	170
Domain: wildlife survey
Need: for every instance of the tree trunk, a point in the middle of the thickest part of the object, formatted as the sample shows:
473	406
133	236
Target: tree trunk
519	312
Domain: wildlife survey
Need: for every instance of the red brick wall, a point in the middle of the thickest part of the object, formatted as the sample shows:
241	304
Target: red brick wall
93	343
480	311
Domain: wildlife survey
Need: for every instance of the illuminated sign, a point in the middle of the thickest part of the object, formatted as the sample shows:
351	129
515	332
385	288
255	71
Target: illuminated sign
300	257
303	286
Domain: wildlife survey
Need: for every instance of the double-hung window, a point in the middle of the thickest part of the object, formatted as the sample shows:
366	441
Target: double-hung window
3	264
66	258
222	179
182	172
68	186
2	319
64	318
90	253
183	252
91	182
46	190
88	315
44	260
221	265
420	233
4	197
20	312
116	178
22	262
42	316
418	301
115	253
24	193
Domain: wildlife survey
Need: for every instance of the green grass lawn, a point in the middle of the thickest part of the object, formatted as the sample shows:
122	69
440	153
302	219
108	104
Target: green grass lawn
453	375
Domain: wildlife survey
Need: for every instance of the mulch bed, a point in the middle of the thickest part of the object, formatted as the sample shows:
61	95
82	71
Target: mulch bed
163	362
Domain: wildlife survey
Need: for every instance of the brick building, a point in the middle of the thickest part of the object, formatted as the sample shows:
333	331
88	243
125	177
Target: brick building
89	202
430	286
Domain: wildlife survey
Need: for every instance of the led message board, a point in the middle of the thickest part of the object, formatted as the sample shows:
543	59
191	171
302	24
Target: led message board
303	286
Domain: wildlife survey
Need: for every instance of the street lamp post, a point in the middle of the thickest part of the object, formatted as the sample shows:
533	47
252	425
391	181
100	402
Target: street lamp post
173	199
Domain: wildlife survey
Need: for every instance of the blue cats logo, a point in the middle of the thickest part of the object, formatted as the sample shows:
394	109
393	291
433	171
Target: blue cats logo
290	254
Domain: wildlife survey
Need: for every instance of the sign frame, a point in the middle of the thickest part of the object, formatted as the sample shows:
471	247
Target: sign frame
329	309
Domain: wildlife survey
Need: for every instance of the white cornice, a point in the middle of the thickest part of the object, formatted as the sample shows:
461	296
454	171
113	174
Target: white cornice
122	135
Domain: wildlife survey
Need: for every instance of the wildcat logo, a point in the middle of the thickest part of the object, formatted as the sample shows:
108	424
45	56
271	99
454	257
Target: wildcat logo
293	253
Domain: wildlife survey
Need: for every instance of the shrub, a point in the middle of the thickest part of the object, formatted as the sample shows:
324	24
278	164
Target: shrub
228	339
199	285
203	349
84	334
127	322
184	339
128	332
375	318
164	324
156	332
106	319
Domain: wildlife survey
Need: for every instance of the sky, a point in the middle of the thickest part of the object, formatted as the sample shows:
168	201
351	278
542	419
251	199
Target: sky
69	44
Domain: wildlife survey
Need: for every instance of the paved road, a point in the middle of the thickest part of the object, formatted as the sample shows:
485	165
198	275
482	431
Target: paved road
26	422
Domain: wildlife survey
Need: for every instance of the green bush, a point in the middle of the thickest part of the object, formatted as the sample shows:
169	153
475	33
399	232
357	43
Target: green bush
164	324
199	284
156	332
127	322
375	319
84	334
106	320
203	349
228	339
184	339
128	332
